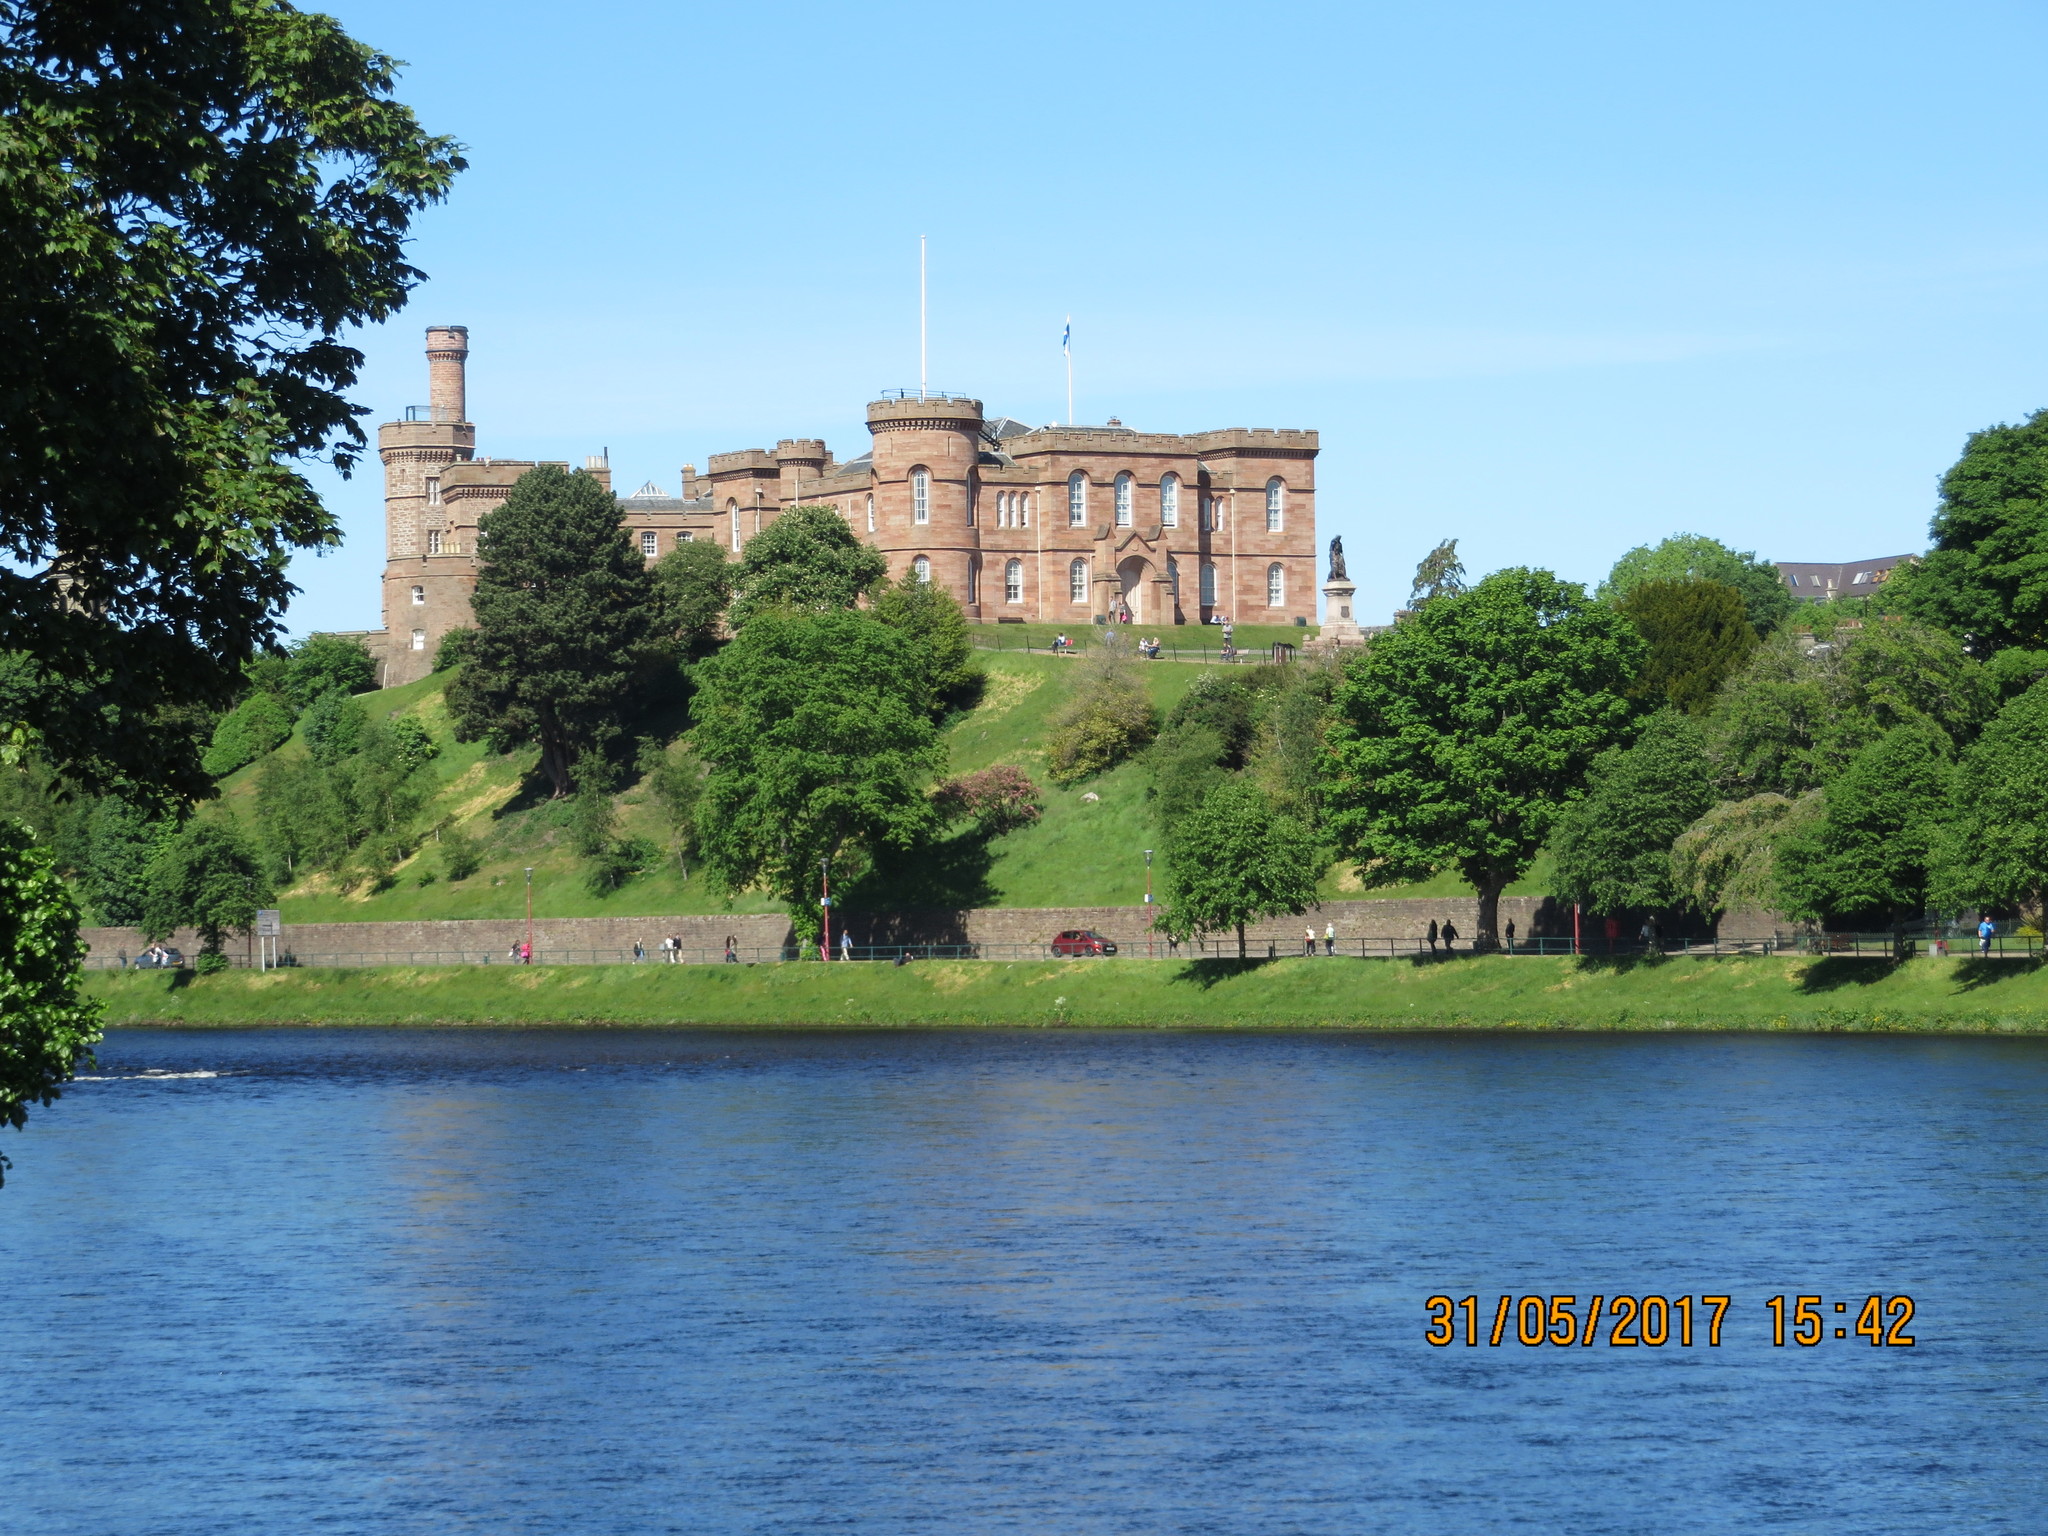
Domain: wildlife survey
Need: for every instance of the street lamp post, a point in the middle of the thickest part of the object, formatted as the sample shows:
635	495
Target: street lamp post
825	904
1150	943
529	916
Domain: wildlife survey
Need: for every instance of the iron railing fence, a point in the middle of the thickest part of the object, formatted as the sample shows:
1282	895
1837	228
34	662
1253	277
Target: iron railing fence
1082	640
1213	947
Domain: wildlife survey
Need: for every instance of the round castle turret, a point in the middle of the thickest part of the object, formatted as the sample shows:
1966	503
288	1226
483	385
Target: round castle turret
936	439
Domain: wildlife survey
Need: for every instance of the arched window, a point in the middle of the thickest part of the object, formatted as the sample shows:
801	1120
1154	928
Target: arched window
1276	585
974	578
685	537
973	498
1013	582
920	496
1173	576
1023	509
923	567
1169	502
1077	499
1077	582
733	510
1276	502
1123	501
419	595
871	514
1208	585
650	543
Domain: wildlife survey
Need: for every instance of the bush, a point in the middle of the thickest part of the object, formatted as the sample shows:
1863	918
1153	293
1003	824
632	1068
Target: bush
999	799
323	663
211	962
460	856
454	648
259	724
335	724
1109	718
617	862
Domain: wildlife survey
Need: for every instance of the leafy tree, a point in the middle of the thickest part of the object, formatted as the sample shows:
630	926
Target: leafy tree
693	584
1986	577
1462	732
566	623
1791	720
47	1031
1994	851
335	724
1694	557
453	648
998	800
1226	703
1613	847
1440	574
677	784
1185	763
807	559
201	198
1236	860
1287	752
207	878
120	838
820	748
1108	717
2012	671
326	664
259	724
300	817
933	616
1699	635
460	855
1727	861
1869	852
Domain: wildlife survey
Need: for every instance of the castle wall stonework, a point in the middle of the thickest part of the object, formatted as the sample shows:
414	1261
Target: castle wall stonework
1164	529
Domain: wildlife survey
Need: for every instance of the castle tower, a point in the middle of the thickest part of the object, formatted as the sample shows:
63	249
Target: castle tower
427	579
925	485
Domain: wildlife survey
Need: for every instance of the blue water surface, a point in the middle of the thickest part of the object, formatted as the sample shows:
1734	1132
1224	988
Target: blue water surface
1051	1282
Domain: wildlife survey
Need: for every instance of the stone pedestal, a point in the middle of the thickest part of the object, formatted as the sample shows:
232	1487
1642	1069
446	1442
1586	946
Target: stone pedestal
1340	625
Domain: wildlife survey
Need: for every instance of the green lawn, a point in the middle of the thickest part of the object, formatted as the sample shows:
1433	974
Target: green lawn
1471	993
1191	641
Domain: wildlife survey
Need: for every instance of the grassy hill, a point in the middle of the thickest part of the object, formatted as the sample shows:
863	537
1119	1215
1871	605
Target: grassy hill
1088	848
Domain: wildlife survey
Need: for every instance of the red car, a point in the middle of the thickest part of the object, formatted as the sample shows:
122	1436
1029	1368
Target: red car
1082	941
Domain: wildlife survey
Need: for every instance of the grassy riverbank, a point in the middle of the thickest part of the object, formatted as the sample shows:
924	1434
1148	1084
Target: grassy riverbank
1495	993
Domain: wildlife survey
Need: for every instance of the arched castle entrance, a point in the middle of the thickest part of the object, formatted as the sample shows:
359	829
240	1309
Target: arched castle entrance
1134	580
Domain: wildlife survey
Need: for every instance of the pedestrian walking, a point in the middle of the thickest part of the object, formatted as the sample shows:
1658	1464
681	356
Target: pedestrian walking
525	953
1432	935
1985	929
639	951
1450	935
1511	935
1329	938
1308	942
732	950
512	954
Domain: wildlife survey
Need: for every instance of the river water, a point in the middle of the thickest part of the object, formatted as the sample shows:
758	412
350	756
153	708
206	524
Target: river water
1066	1283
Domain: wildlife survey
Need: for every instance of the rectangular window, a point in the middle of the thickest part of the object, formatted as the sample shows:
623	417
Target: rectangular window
433	541
685	537
434	491
650	543
419	639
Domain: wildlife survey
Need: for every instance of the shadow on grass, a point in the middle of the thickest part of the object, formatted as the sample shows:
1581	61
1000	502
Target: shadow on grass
1838	971
1975	975
1209	973
181	978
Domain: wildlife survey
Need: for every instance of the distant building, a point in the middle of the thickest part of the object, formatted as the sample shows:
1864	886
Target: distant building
1825	583
1057	524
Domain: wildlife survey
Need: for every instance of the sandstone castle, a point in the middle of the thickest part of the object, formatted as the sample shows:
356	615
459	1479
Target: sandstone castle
1057	524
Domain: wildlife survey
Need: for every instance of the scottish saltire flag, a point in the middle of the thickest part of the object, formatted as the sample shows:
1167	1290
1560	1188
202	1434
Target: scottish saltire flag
1067	338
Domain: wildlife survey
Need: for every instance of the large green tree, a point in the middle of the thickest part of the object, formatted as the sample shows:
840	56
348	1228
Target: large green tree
1108	717
1613	847
821	748
566	622
1727	861
933	616
1461	733
693	583
808	559
1694	557
1234	860
1994	850
206	878
198	200
1699	635
1867	857
325	663
46	1028
1987	576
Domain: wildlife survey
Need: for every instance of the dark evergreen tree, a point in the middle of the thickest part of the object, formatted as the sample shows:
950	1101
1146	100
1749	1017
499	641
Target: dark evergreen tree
1613	846
1699	636
566	621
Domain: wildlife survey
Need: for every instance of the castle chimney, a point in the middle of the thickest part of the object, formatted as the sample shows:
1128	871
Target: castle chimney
447	351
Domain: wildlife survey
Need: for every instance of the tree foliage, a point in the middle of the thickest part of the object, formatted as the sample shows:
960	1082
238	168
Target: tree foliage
120	839
1440	573
998	800
1613	847
206	878
692	585
259	724
1108	717
1766	599
1994	851
1699	636
1727	861
1236	860
820	748
46	1029
200	198
933	616
1868	854
809	560
1462	733
566	621
1986	577
326	664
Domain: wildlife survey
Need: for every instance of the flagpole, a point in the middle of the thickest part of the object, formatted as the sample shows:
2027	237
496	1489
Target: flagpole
922	330
1067	346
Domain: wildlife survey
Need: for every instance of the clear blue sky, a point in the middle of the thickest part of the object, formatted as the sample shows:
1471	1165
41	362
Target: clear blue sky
1553	280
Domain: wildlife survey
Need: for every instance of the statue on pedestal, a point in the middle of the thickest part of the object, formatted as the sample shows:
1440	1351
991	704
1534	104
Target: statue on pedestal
1337	559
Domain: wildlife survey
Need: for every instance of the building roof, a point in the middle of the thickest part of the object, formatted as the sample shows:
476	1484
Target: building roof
1822	582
